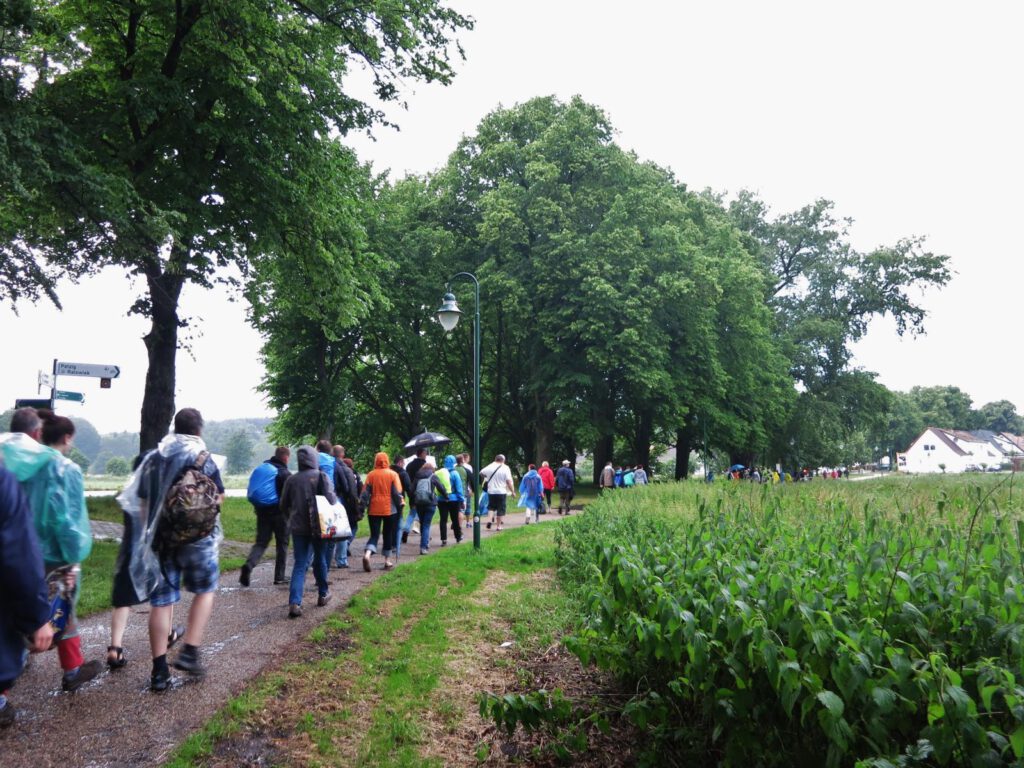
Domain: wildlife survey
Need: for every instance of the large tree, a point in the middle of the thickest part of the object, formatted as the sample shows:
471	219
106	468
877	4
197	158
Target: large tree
824	294
192	136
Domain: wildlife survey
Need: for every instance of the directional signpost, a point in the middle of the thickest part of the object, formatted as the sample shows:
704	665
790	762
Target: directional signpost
86	369
95	370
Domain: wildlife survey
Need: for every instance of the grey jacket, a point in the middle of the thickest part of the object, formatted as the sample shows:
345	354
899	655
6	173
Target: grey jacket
298	497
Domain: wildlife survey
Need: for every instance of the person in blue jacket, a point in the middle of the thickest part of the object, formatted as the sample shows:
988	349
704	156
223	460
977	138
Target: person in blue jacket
264	493
24	599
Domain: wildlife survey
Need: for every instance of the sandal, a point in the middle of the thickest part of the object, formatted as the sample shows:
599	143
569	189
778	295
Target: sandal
177	633
119	660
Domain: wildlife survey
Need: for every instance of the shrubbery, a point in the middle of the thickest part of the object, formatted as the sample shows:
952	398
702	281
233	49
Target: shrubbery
788	627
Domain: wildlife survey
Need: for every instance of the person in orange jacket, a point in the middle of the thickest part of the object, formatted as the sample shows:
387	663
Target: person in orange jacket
382	499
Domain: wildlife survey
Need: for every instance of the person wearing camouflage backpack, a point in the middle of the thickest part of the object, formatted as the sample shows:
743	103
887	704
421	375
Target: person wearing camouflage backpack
176	495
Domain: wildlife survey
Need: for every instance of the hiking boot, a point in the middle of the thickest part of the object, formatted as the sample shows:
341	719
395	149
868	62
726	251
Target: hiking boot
7	715
85	673
244	574
188	661
294	611
323	600
160	680
366	560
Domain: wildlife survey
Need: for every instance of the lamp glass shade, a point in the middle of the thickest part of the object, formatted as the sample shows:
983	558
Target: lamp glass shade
449	313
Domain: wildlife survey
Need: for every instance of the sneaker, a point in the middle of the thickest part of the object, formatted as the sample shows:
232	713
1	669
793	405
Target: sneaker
188	661
160	680
424	551
244	574
7	715
85	673
388	564
444	542
366	560
415	528
500	528
323	600
343	565
488	525
405	537
294	611
278	582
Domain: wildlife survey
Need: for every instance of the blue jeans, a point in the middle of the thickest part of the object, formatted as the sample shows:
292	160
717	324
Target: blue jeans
307	548
390	526
426	516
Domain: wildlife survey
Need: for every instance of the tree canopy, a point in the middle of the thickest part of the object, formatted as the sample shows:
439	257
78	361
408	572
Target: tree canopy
183	141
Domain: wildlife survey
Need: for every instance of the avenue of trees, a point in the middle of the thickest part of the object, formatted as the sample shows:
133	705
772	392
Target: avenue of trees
622	313
202	141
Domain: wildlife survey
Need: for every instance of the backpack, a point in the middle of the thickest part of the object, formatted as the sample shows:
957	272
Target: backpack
263	485
190	509
423	494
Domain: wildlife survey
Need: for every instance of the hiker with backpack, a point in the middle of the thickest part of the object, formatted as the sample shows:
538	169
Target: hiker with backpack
175	497
264	493
427	490
348	494
298	502
452	501
531	493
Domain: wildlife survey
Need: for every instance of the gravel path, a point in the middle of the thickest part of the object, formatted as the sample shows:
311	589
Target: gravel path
116	721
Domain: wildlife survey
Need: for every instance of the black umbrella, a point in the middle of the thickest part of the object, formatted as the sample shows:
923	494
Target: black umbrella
425	440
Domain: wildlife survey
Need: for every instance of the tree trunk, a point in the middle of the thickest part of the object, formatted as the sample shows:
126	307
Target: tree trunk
602	454
643	437
544	438
162	348
684	444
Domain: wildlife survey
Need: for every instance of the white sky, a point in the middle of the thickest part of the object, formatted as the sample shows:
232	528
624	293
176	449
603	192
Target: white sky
908	115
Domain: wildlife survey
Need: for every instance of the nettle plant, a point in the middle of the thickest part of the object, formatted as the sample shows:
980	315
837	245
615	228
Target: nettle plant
788	630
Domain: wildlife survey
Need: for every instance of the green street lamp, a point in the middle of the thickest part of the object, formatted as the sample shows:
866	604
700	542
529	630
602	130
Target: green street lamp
448	316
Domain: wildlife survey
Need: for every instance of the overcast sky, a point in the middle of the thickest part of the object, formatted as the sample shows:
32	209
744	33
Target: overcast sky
907	114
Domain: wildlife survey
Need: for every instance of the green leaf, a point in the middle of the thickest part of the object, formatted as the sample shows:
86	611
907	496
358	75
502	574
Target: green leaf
832	703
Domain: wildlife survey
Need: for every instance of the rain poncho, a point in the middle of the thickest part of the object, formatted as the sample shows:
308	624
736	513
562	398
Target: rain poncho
531	490
146	491
56	493
457	492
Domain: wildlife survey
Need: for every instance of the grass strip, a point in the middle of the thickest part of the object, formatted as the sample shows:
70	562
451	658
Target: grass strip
372	672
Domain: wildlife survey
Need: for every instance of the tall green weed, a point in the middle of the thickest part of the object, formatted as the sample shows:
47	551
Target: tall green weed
814	624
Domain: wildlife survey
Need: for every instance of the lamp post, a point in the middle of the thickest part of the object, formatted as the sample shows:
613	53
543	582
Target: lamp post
448	315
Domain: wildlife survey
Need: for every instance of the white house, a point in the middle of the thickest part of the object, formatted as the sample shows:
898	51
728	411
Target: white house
960	451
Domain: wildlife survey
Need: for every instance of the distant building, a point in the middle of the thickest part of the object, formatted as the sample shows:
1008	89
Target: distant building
956	450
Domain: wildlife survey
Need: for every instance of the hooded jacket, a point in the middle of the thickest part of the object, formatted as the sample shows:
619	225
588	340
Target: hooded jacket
458	490
143	500
56	496
24	603
382	495
531	490
298	498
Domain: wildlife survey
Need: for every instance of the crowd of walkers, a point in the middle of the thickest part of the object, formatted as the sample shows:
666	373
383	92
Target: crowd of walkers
172	533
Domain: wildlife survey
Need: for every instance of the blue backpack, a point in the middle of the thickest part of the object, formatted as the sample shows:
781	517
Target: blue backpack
263	485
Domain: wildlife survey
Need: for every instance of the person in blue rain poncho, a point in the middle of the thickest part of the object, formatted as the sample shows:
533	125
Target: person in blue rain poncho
531	493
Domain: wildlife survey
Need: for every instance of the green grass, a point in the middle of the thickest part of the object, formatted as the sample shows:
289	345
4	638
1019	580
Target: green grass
400	633
236	516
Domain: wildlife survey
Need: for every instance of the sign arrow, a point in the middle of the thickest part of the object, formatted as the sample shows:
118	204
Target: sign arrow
87	369
76	397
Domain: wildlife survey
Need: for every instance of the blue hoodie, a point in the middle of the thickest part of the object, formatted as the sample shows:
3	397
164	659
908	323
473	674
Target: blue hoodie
458	491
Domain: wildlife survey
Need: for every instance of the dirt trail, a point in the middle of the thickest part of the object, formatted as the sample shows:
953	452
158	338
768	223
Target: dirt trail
116	721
